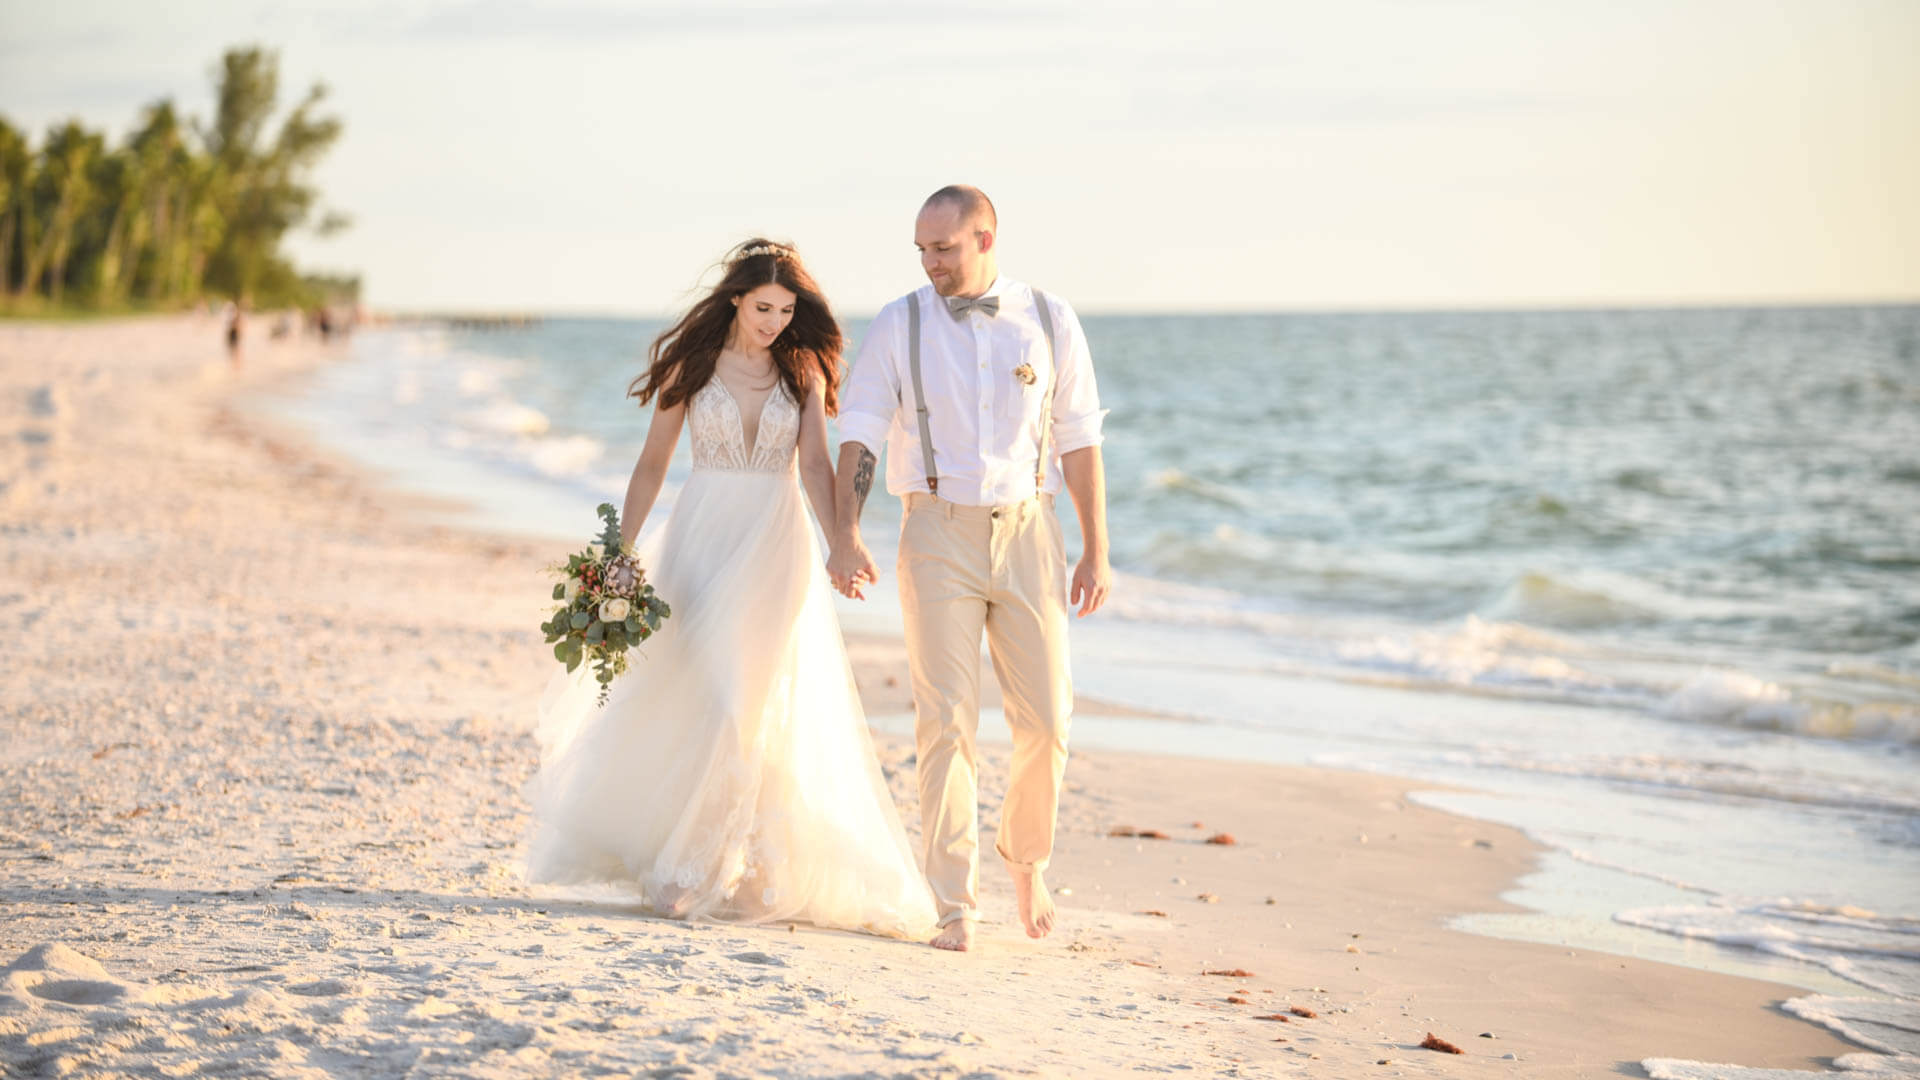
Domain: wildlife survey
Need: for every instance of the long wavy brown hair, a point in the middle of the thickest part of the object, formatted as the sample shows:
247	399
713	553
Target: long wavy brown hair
682	359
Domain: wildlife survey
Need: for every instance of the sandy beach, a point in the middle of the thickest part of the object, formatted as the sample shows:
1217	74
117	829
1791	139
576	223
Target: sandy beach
266	729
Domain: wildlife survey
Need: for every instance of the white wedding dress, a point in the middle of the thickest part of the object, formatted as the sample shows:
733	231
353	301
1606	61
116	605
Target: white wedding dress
730	774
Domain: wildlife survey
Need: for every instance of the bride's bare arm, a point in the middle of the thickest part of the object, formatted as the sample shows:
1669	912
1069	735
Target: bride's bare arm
651	470
816	468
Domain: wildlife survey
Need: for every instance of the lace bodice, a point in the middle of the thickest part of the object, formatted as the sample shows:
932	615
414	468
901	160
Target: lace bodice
719	431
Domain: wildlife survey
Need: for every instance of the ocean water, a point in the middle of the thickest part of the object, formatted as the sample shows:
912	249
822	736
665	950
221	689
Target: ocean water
1645	584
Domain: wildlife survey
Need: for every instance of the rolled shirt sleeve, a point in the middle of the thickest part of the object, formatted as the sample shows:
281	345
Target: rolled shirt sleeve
1077	415
871	397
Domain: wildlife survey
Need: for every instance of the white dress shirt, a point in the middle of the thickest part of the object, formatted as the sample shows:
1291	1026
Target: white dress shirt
985	419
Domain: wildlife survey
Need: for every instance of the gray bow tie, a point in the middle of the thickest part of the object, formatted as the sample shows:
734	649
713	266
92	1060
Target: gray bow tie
985	305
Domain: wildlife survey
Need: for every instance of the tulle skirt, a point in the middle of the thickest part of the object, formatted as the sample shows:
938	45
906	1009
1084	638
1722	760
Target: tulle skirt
730	774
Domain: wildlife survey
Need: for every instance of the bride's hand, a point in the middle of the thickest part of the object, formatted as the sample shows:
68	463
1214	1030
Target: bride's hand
850	565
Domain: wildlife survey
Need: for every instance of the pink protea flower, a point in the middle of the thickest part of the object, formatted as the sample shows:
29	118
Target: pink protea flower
623	576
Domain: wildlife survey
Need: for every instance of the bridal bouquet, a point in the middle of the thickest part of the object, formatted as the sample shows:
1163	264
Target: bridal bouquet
606	606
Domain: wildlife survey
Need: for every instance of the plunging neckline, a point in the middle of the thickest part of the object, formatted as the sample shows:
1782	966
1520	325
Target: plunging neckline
747	448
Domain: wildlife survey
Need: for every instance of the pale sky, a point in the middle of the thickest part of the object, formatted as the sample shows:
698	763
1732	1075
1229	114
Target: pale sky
1244	154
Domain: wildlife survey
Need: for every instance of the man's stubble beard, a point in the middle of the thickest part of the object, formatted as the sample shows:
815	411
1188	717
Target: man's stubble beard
954	287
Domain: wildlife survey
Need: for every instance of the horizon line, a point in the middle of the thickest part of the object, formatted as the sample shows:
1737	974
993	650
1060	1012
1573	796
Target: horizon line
1414	308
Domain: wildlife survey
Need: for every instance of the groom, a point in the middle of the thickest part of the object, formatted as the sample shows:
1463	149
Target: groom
982	389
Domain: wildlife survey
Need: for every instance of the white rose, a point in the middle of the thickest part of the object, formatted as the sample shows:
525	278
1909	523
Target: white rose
572	585
615	610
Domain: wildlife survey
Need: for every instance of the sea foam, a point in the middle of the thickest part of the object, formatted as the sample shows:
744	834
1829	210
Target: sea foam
1865	1066
1737	699
1878	952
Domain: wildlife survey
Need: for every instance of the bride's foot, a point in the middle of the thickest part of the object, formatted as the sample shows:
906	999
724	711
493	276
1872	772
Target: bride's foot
956	936
1035	902
672	901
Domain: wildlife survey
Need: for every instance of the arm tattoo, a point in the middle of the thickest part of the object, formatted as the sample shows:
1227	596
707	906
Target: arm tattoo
862	481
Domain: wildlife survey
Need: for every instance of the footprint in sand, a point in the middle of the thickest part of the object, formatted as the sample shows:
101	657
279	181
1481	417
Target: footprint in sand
78	992
321	988
768	959
45	402
48	408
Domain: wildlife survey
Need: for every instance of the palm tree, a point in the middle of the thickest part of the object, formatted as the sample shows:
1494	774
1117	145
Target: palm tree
63	193
165	161
135	183
16	174
168	215
266	193
203	224
116	184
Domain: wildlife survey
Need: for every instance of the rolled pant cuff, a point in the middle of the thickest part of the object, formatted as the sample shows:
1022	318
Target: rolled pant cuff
951	917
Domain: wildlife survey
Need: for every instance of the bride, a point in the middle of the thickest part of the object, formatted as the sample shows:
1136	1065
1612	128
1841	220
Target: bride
730	774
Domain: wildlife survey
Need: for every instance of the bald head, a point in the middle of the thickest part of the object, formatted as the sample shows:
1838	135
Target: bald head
972	204
956	234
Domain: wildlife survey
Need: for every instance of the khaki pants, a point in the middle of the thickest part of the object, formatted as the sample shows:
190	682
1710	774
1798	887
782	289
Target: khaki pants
1002	569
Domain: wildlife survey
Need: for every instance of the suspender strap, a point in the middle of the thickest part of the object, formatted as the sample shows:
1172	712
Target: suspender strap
1046	406
919	393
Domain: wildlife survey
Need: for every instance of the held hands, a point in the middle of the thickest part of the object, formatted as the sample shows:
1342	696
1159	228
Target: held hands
849	566
1092	583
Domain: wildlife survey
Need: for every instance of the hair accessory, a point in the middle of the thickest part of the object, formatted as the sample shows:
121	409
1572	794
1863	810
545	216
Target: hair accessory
766	249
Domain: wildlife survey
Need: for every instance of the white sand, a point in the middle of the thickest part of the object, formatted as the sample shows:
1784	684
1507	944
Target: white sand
264	736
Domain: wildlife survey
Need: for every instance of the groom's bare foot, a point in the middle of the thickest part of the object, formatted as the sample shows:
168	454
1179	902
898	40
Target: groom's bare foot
1035	902
956	936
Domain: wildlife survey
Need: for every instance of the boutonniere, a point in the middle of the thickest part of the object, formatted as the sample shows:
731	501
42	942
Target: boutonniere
1025	374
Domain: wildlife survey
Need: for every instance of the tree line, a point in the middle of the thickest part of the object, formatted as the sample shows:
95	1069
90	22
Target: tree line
179	212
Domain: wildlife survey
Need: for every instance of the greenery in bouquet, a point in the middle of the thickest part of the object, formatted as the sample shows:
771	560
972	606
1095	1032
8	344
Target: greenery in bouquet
606	606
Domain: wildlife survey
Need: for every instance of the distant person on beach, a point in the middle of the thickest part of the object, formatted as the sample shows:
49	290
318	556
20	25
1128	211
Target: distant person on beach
730	774
982	390
236	326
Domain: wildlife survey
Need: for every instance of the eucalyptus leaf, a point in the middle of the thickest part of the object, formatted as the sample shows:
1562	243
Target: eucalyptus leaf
577	633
